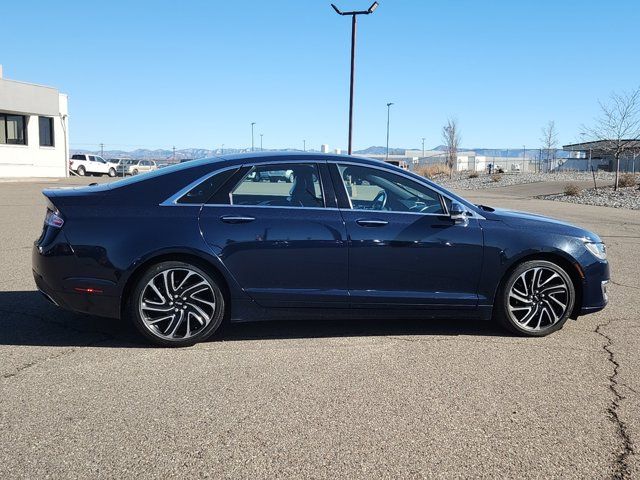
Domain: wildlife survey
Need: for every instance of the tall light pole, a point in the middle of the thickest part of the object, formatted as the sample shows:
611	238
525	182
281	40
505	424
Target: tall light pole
524	153
422	147
304	145
354	14
261	149
252	125
388	116
222	149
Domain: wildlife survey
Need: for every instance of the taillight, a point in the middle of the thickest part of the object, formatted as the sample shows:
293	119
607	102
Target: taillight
53	219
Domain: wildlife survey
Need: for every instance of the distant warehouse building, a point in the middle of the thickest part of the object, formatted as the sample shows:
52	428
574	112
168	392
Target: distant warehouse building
34	138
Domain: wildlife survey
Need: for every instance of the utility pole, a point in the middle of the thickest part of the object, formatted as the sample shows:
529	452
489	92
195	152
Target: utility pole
102	150
252	125
261	149
388	116
222	149
304	145
354	14
174	154
524	153
422	147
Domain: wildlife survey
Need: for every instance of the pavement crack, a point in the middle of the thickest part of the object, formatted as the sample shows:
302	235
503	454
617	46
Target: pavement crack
621	467
37	362
623	285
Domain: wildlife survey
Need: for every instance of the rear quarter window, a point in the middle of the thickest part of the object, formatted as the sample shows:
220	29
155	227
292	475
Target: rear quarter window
201	193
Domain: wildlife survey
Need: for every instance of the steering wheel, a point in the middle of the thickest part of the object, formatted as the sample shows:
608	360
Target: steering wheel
380	202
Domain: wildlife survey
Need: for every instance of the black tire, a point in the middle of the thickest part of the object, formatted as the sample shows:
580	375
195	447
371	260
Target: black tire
502	306
112	172
133	309
135	172
81	171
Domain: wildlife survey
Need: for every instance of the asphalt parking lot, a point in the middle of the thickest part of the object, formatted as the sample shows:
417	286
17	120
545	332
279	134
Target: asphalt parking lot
82	397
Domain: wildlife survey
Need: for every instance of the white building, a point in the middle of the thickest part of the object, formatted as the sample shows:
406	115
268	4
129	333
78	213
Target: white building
34	138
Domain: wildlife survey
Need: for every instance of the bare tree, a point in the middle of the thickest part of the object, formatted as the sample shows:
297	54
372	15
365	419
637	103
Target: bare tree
618	127
549	141
451	137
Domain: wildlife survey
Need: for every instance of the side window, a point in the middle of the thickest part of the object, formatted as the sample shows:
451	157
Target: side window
92	158
204	191
286	185
374	189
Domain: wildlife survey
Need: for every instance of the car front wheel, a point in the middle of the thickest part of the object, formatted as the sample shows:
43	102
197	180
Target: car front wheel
536	299
176	304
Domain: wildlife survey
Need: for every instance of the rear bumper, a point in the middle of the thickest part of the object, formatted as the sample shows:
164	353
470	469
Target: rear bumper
52	272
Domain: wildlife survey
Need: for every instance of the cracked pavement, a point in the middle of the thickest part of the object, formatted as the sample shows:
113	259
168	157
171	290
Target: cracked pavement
83	397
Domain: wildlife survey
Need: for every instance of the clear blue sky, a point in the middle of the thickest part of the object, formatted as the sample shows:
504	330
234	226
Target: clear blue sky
196	73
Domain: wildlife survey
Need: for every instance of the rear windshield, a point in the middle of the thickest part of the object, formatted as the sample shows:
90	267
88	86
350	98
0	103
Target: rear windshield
178	167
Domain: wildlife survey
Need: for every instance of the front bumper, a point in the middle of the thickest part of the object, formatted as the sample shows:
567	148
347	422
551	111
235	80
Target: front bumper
594	288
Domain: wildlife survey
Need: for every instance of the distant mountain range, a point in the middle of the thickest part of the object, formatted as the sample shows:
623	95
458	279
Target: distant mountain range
193	153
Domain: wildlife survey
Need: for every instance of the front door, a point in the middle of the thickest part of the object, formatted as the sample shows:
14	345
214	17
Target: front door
278	238
404	250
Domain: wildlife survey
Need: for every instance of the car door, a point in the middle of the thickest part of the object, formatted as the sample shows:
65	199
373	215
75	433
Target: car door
285	243
404	249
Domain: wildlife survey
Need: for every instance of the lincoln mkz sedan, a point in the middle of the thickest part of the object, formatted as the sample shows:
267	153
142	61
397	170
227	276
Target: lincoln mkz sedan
181	250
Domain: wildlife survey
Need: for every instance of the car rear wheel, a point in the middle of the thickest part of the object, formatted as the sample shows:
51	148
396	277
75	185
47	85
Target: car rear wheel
81	171
135	172
176	304
536	299
112	172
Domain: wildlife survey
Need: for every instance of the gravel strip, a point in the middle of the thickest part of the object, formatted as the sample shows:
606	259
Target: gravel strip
605	197
462	181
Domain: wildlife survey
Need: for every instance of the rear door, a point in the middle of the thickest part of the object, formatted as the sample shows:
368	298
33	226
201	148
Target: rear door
285	243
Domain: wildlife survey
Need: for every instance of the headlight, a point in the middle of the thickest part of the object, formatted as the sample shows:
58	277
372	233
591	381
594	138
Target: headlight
599	250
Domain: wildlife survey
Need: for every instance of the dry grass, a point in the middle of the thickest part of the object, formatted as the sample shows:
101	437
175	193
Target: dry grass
473	175
431	171
572	189
627	180
496	177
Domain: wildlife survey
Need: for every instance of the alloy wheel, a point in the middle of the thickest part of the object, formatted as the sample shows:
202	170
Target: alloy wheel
538	299
177	304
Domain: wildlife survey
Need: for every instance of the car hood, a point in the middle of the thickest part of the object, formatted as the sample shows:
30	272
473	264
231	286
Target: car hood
527	220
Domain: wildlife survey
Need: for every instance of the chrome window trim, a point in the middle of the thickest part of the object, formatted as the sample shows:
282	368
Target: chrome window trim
173	199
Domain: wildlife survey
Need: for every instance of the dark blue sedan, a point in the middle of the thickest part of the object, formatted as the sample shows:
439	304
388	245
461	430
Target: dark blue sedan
180	250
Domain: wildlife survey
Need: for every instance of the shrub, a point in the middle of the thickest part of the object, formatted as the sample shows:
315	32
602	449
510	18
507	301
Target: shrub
627	180
572	189
496	177
430	171
473	175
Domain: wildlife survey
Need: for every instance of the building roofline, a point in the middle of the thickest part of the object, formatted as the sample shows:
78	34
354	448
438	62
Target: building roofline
30	84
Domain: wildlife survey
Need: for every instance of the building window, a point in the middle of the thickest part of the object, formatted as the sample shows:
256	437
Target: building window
46	131
13	129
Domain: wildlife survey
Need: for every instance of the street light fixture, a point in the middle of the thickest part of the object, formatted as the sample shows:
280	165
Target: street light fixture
354	14
252	125
388	114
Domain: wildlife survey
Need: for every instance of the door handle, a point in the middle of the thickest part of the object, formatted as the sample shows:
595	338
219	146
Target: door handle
236	219
371	223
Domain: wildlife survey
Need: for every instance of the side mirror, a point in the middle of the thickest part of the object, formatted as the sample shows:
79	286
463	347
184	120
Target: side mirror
458	214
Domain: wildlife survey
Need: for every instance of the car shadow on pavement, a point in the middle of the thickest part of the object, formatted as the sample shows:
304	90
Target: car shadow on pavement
27	318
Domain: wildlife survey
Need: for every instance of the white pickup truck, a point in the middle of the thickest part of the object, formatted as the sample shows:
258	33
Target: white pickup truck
83	164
